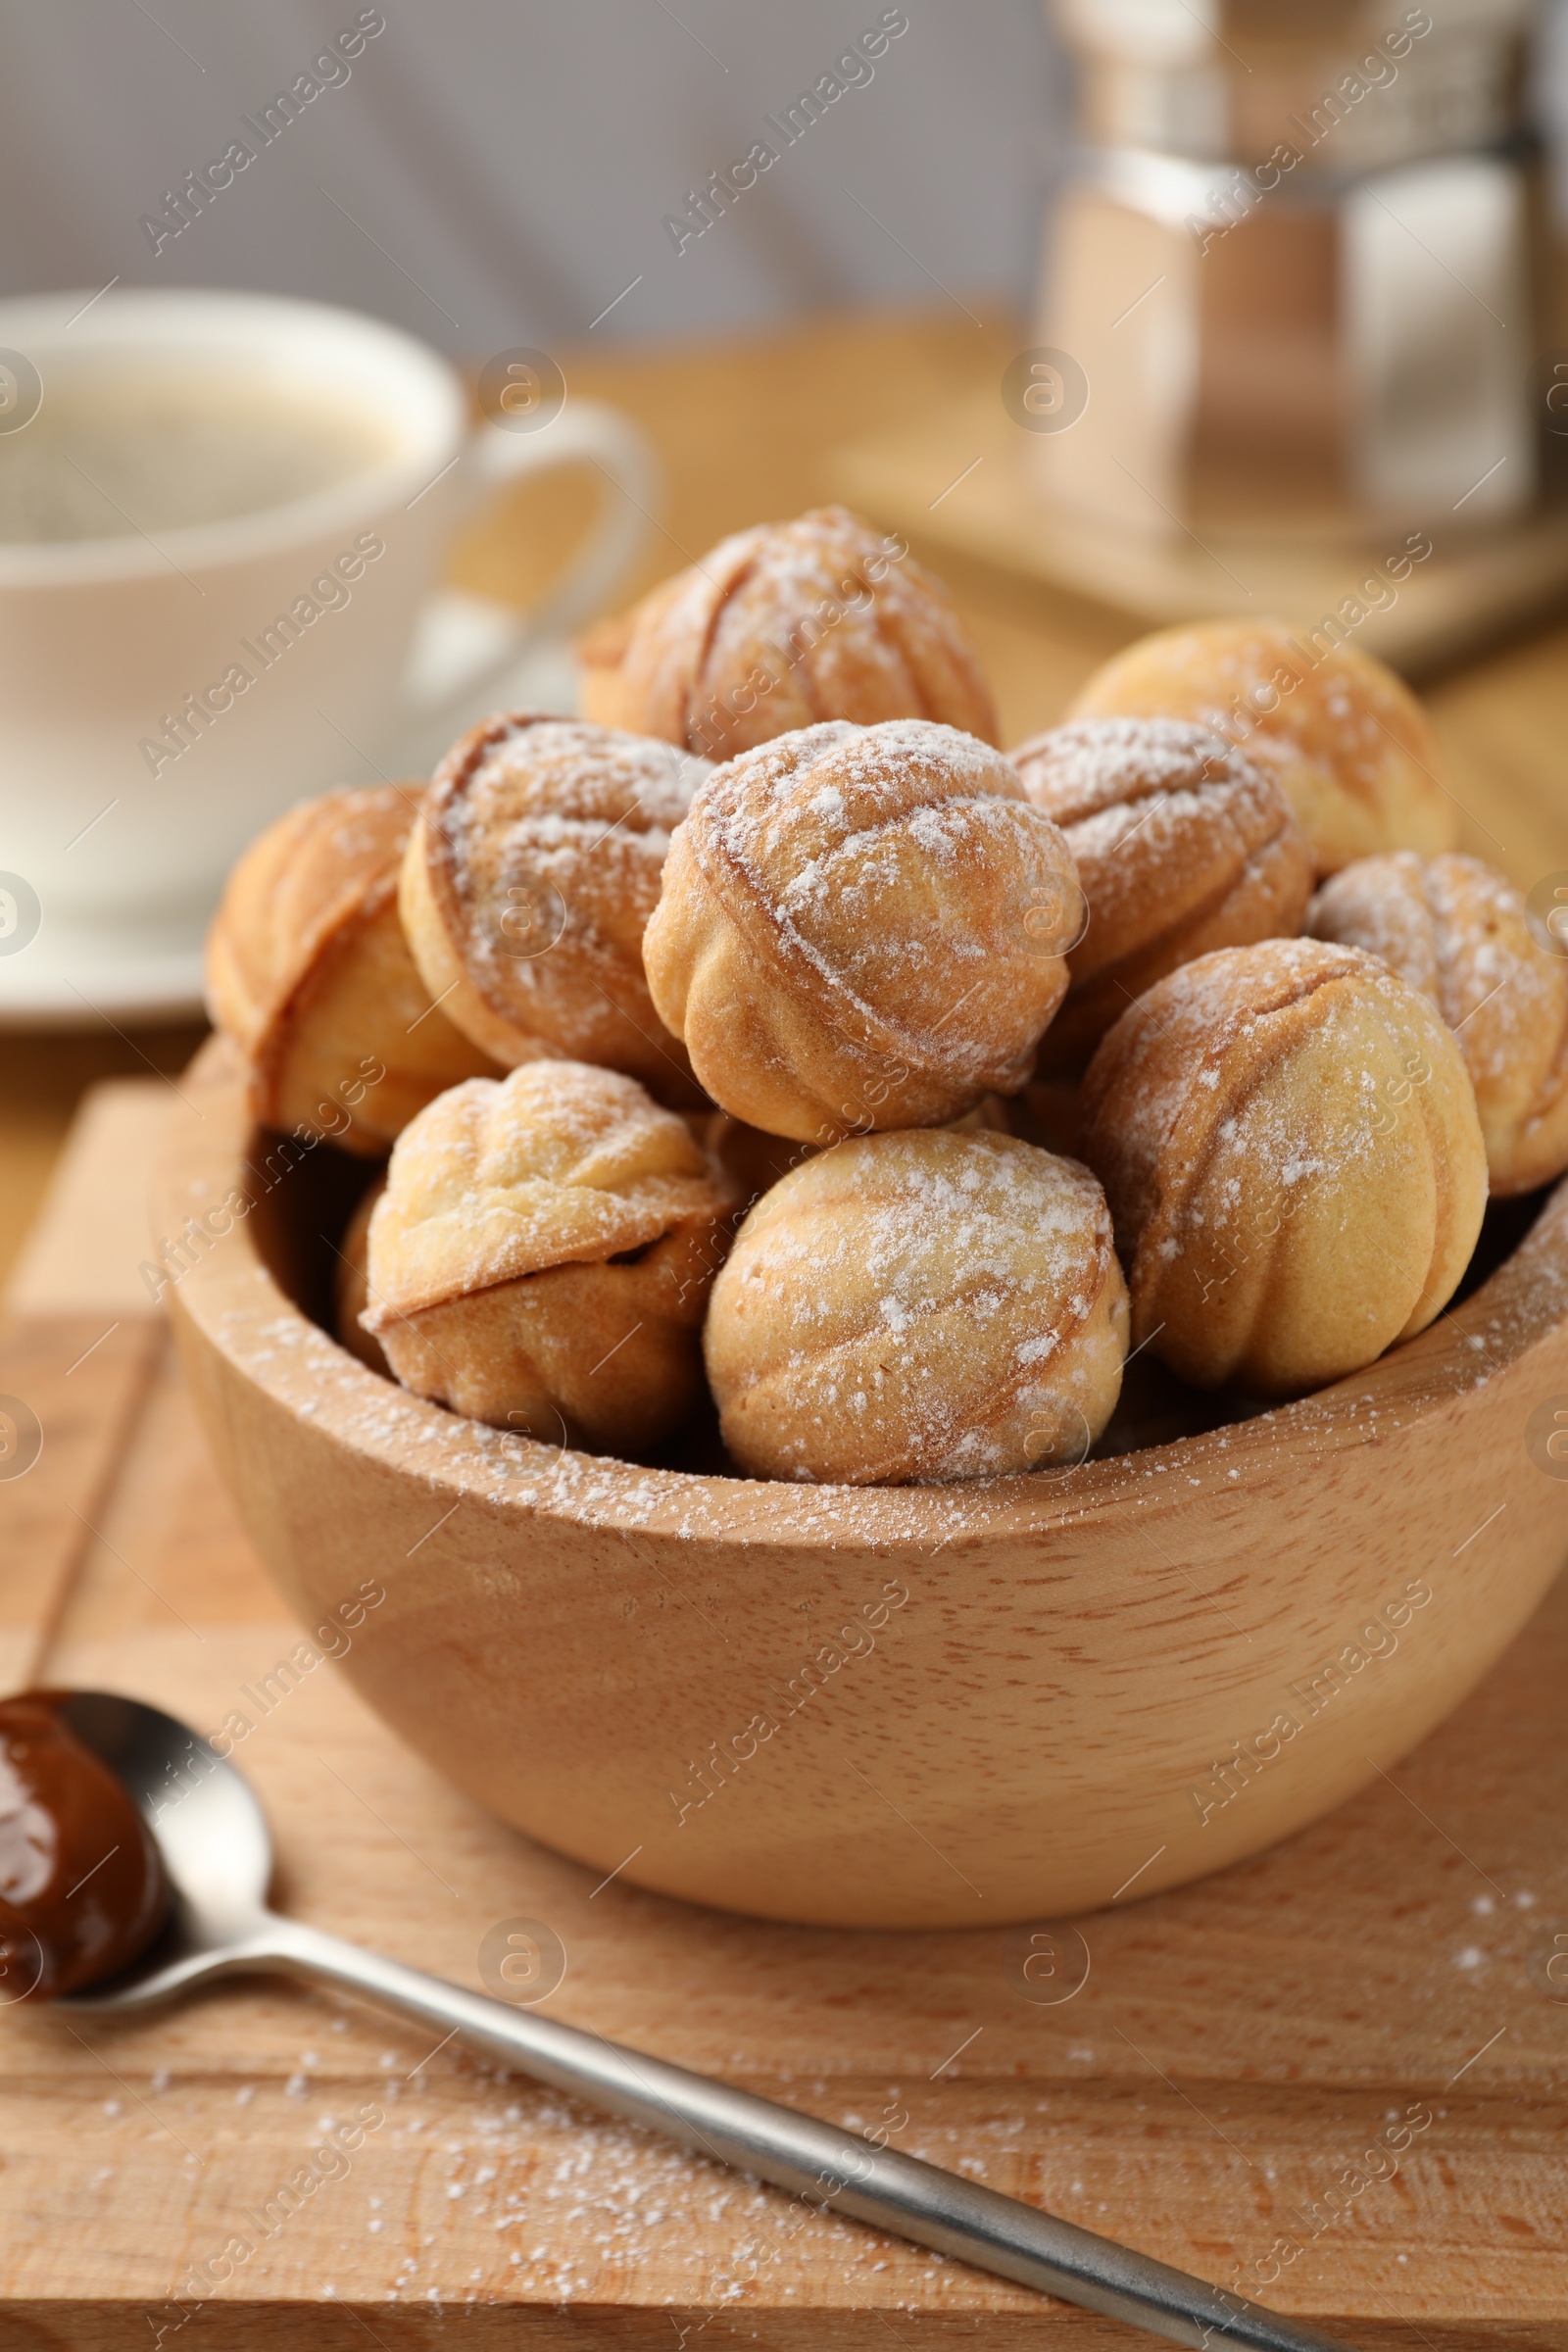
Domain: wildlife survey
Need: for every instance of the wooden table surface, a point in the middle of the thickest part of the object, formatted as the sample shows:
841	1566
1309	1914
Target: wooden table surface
1336	2075
1213	2090
747	432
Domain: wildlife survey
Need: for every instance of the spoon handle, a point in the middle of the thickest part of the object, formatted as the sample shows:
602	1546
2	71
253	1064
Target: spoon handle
814	2161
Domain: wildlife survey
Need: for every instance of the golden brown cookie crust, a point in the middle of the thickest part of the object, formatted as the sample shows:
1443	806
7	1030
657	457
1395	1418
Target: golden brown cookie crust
918	1306
308	971
1347	740
861	927
1182	845
1289	1143
604	1357
542	1254
558	1163
1459	931
601	650
528	881
781	627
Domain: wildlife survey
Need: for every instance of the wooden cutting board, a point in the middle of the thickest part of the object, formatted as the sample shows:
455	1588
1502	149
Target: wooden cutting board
1336	2075
959	479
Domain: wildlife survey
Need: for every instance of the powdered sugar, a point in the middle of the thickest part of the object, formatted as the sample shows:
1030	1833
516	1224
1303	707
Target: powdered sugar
893	867
1459	932
558	1164
987	1259
1093	766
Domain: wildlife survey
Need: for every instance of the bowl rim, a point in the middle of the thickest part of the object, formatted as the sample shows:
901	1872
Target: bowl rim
229	1295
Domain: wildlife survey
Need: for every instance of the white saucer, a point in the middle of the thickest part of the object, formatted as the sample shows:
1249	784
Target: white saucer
88	989
74	982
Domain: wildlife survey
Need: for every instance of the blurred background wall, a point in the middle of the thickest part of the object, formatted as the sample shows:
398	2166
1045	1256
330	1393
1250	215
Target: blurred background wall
496	172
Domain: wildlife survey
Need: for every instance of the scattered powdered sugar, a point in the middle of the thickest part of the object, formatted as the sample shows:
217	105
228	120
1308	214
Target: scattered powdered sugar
813	617
543	2200
553	832
1091	766
1298	707
1460	933
569	768
556	1164
369	827
1204	1027
895	866
985	1258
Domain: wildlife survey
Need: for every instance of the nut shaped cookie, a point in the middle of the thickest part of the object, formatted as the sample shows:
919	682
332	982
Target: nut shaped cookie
917	1308
783	626
1346	740
308	972
1459	931
542	1254
863	927
1182	844
527	882
1289	1143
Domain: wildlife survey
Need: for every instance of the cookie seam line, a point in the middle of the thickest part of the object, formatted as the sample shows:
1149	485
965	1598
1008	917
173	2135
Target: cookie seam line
763	931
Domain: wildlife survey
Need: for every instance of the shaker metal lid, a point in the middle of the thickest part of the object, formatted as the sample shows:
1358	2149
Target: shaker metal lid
1345	86
1173	32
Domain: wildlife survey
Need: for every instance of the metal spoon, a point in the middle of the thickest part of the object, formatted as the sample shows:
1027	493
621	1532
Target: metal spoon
214	1845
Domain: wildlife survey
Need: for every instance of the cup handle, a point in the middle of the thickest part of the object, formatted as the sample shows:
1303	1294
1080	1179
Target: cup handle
584	430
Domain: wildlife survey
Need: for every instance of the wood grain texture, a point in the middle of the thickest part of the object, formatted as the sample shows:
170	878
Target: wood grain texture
84	1379
1235	2047
85	1256
892	1707
43	1078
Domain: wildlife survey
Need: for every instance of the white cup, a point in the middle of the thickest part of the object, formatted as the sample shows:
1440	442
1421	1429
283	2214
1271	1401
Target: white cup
134	762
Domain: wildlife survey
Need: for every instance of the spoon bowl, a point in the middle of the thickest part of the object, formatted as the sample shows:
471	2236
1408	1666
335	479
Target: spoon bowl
214	1839
210	1830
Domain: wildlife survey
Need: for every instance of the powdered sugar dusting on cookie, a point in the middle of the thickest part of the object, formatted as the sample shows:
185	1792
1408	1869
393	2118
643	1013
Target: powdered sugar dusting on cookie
545	840
1289	1143
920	1305
899	865
557	1164
793	622
1458	930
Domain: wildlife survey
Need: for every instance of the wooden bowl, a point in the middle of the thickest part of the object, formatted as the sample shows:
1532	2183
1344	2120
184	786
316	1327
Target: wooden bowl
908	1707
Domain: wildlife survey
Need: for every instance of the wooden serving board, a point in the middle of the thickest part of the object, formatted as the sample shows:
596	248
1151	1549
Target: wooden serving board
959	481
1337	2074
